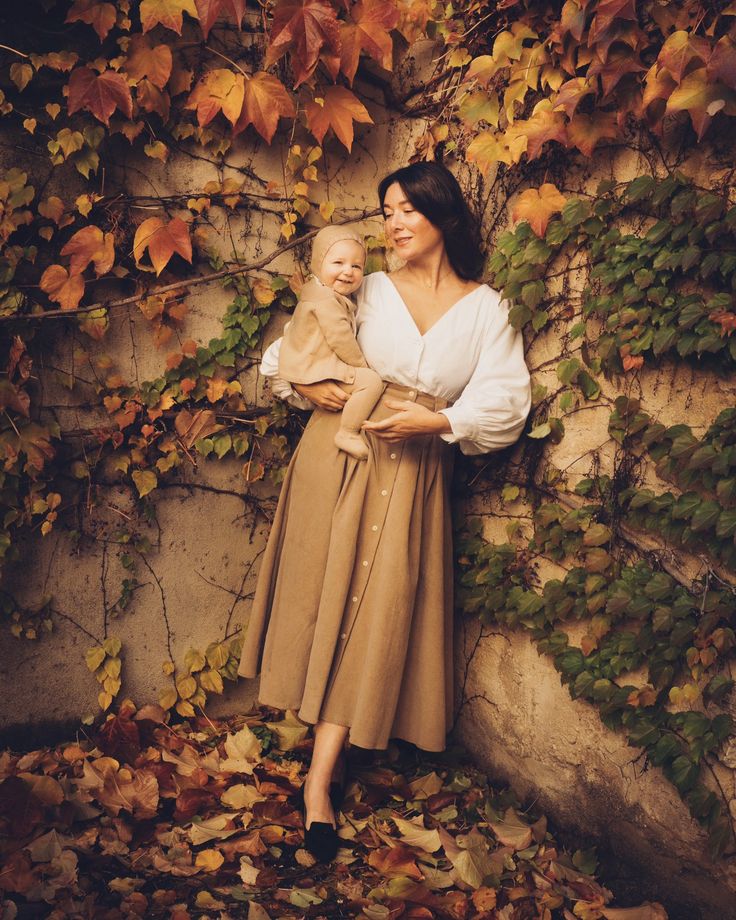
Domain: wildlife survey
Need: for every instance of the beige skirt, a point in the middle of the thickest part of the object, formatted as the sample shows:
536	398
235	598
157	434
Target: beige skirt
352	615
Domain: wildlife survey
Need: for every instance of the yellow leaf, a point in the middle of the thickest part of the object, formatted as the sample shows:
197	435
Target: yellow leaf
186	686
112	645
302	189
157	151
94	657
263	292
241	796
21	75
209	860
211	680
185	709
145	481
53	109
46	528
290	731
327	209
104	699
112	667
30	124
168	667
168	698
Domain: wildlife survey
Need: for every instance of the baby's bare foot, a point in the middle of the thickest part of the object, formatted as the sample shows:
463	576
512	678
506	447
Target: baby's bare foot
352	443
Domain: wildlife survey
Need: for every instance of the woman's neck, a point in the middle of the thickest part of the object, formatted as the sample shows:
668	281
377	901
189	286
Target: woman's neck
430	270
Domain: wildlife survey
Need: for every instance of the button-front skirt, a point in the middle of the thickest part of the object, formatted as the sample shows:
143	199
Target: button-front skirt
352	615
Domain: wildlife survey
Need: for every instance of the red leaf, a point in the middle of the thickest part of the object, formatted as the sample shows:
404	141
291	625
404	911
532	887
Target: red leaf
18	807
303	27
722	63
209	11
726	320
372	20
162	241
101	16
633	362
266	100
146	60
339	109
99	94
616	66
191	801
119	738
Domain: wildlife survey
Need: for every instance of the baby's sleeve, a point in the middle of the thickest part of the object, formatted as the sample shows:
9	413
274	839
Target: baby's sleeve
280	387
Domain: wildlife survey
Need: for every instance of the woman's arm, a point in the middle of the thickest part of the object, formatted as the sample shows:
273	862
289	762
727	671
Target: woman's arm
491	411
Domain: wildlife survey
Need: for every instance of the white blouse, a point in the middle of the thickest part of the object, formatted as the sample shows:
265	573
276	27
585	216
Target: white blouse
471	356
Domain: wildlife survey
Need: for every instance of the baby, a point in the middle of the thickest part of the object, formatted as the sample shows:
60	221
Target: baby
319	343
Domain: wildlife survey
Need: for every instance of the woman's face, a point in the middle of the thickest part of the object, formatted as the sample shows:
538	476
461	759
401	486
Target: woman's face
408	230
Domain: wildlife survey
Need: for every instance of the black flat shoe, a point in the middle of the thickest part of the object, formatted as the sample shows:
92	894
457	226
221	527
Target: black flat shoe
320	838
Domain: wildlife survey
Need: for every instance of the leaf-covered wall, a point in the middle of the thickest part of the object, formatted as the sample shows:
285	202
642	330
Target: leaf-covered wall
161	165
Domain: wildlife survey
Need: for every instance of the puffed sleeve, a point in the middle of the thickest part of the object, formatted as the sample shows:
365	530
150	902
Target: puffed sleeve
280	387
490	412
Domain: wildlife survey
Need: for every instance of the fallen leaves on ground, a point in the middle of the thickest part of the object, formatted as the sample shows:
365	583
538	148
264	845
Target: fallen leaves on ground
148	819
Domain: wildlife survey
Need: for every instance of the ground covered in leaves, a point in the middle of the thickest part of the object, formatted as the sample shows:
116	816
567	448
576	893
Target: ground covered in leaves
147	819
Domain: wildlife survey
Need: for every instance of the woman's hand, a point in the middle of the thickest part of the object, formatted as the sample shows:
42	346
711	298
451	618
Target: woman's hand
410	420
327	394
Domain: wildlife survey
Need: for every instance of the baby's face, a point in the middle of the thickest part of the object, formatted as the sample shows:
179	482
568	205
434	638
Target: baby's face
342	267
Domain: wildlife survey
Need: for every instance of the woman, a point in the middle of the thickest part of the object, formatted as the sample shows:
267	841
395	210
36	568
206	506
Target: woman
351	624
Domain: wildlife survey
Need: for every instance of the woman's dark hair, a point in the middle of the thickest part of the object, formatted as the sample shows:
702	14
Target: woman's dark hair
434	192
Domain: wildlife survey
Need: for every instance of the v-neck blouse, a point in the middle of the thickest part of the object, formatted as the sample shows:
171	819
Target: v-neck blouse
470	356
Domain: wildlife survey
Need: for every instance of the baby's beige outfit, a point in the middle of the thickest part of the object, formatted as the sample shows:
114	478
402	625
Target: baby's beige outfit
319	344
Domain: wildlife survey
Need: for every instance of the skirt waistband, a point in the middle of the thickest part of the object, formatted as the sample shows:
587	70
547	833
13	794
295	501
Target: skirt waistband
398	391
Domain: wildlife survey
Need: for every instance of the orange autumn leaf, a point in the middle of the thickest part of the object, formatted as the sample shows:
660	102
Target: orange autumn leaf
153	62
304	28
62	288
100	94
537	205
216	387
486	149
151	99
367	31
632	362
586	130
544	125
219	90
338	110
87	245
393	862
168	13
209	11
101	16
725	319
701	100
192	426
162	240
265	101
